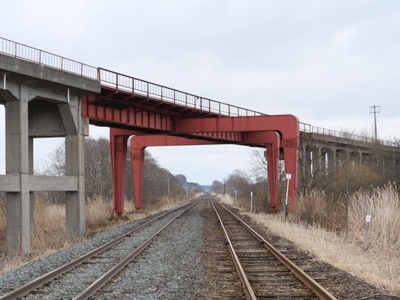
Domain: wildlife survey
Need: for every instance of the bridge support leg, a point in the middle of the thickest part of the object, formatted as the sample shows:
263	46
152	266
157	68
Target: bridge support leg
272	167
137	159
119	147
19	204
75	200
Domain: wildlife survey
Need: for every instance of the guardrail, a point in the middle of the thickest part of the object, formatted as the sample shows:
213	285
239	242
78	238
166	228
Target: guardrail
122	82
136	86
48	59
307	128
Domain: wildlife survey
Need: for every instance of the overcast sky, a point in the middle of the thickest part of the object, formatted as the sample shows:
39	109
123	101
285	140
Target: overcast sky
326	62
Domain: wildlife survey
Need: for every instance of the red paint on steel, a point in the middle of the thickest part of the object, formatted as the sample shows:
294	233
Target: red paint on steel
143	117
286	125
268	139
138	145
271	140
132	117
118	144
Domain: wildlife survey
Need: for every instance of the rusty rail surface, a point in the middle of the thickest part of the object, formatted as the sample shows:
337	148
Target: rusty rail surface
243	277
322	293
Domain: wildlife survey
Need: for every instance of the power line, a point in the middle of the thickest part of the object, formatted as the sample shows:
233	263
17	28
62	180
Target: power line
388	123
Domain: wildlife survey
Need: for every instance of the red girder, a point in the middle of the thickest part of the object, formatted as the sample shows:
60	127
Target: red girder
272	132
234	130
138	145
270	140
286	125
135	118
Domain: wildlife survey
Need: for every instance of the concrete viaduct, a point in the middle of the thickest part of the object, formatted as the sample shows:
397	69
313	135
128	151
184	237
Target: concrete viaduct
46	95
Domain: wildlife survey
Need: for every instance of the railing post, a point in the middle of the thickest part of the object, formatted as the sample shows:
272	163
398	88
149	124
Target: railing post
116	83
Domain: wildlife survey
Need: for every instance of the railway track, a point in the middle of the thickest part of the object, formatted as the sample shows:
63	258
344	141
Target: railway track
263	270
108	259
190	260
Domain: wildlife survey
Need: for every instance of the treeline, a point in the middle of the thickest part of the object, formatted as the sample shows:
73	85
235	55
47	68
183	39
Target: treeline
157	181
241	185
350	174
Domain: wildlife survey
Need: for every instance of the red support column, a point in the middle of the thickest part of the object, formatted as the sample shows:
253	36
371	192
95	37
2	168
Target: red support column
286	125
271	140
138	145
137	160
272	167
260	131
118	144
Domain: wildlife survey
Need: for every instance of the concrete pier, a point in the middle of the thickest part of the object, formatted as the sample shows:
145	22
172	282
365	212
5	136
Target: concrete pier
41	102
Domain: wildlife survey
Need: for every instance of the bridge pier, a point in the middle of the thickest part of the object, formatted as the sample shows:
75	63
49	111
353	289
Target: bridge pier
24	122
41	102
19	151
75	200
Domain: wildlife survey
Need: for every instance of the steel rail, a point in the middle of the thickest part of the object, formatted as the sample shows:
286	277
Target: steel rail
322	293
40	281
101	281
243	277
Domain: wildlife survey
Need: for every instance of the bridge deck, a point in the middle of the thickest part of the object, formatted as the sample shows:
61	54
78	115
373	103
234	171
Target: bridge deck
120	91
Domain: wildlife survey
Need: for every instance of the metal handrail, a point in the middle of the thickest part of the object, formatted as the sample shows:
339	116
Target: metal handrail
136	86
47	59
308	128
122	82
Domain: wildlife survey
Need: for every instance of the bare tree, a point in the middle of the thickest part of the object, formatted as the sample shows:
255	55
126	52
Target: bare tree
56	167
98	173
217	187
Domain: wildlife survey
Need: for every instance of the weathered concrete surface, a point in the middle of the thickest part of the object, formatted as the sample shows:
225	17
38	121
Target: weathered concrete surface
45	77
9	183
41	102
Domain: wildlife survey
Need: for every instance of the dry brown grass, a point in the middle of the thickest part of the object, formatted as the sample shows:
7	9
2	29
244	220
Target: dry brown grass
379	264
50	232
163	204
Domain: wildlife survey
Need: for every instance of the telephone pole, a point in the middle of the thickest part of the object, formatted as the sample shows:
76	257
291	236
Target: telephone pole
375	110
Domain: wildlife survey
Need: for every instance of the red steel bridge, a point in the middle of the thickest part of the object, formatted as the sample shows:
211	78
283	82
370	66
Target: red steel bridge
156	115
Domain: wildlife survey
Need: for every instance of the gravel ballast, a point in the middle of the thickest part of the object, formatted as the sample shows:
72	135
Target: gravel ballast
180	264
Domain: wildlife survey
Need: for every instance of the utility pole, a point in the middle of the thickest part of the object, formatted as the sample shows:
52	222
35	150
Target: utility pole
375	110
